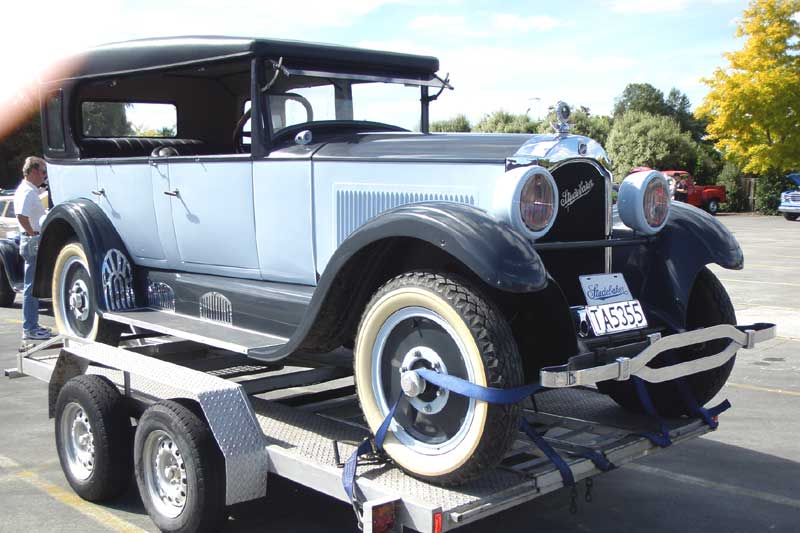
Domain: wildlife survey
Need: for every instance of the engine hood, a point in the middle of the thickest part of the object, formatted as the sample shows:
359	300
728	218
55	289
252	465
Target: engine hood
508	149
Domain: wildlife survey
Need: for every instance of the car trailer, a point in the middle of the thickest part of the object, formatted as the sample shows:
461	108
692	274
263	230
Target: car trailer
300	419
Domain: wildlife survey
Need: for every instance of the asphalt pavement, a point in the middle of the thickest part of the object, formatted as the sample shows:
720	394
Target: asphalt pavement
744	477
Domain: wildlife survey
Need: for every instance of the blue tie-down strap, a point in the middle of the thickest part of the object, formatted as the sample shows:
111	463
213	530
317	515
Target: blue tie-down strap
487	394
662	438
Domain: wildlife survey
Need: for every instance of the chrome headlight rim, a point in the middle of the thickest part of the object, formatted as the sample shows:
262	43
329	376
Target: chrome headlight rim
631	200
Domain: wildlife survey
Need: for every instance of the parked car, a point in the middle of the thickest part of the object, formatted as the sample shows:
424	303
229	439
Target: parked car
336	219
790	200
708	197
8	218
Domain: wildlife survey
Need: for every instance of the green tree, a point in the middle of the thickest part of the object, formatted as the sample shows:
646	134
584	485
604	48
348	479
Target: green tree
769	187
731	178
753	106
106	119
642	139
459	123
20	136
708	164
641	97
504	122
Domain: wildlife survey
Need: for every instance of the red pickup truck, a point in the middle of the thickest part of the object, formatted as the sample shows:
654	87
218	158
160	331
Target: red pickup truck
707	197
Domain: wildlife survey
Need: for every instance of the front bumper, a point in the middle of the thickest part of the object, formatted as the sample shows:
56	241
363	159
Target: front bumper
784	208
587	369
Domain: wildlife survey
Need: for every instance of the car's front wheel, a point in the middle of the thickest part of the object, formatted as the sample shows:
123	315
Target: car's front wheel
74	305
790	216
709	305
433	321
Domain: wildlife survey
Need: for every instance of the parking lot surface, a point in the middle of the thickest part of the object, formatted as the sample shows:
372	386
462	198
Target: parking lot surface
743	477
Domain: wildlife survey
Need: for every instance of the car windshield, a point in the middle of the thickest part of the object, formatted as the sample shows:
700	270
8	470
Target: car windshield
299	99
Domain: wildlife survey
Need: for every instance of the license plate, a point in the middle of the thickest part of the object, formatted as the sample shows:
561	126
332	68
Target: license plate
615	317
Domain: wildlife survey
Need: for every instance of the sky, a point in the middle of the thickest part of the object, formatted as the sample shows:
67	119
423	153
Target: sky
519	56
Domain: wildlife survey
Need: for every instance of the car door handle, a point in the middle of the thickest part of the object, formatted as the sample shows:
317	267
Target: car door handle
172	193
101	192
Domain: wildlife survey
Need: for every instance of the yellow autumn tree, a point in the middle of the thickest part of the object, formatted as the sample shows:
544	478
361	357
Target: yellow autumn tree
753	108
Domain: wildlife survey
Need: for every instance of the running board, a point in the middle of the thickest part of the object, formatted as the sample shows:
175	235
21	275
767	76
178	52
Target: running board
195	329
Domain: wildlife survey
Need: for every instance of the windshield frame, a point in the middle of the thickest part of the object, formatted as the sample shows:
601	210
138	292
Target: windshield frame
262	73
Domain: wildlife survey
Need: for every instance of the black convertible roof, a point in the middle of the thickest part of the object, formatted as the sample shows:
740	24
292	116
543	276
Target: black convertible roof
160	53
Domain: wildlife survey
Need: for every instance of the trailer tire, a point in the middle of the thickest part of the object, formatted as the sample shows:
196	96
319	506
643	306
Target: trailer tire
93	438
179	469
709	305
7	293
73	293
439	436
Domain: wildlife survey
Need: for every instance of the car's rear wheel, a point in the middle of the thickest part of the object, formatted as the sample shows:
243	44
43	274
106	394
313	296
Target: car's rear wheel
74	305
709	305
713	206
790	216
433	321
7	293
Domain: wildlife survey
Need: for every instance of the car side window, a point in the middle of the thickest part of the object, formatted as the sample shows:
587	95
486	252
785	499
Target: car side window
10	210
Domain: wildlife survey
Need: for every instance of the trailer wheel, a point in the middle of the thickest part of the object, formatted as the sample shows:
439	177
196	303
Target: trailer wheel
426	320
179	469
7	293
93	437
709	305
790	216
74	307
713	206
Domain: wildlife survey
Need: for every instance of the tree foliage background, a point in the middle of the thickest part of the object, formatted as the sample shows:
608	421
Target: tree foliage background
753	107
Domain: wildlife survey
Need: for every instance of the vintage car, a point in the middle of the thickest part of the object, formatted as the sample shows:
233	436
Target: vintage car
790	200
301	205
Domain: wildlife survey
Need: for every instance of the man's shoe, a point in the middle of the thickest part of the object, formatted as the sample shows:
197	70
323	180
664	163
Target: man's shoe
36	335
44	329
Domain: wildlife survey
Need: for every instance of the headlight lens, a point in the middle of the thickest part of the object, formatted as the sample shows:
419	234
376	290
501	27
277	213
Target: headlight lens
656	203
643	202
537	202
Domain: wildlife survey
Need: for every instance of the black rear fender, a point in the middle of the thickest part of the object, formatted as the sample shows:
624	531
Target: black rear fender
83	221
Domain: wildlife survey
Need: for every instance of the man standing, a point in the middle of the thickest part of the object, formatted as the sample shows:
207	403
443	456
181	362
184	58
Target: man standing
29	210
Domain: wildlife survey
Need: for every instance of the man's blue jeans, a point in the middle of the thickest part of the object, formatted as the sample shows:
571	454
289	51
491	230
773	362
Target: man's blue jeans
28	247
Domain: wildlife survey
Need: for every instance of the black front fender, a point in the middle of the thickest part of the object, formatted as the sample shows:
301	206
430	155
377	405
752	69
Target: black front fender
492	251
665	269
497	254
80	220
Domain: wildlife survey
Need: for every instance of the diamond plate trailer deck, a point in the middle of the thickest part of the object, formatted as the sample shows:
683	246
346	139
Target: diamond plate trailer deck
292	421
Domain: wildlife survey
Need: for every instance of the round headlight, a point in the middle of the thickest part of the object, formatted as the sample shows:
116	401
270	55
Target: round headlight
656	202
526	198
537	202
643	201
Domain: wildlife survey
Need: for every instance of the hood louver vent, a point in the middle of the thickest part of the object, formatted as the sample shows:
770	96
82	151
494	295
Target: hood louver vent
354	208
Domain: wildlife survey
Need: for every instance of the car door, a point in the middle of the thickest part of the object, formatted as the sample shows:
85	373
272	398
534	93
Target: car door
125	194
213	219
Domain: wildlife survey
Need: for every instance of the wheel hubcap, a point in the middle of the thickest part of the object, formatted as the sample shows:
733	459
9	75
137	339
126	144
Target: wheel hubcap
165	474
79	300
430	420
77	437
